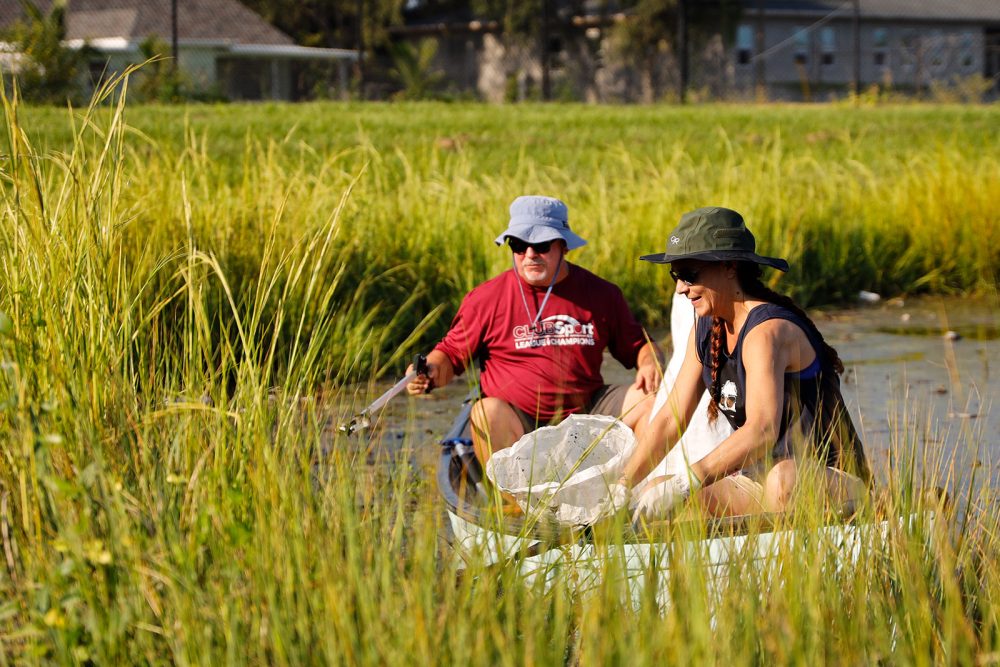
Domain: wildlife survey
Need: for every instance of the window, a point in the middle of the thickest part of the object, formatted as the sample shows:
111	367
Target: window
744	44
966	56
911	51
880	40
99	70
801	45
936	52
827	45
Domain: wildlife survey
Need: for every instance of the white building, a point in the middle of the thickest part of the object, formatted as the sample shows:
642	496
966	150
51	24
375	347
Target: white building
222	45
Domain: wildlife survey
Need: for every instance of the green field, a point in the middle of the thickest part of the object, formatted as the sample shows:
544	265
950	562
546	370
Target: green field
898	200
174	280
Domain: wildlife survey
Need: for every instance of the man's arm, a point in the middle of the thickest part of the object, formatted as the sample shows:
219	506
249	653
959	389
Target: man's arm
649	368
439	373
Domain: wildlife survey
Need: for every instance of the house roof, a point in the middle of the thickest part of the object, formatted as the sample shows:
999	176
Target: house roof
135	20
951	11
596	12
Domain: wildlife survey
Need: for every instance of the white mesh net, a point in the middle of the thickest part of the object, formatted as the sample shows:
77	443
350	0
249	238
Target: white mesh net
570	469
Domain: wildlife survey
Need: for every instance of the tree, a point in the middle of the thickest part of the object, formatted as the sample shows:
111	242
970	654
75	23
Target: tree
158	80
413	68
331	23
50	71
644	38
650	33
351	24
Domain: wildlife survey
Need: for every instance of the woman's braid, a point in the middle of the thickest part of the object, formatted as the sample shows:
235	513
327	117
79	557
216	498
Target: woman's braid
716	362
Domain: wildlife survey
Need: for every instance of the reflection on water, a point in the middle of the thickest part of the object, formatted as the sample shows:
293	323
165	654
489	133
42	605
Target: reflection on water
908	382
973	331
920	373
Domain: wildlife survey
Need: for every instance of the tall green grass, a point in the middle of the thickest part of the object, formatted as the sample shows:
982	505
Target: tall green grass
897	200
173	300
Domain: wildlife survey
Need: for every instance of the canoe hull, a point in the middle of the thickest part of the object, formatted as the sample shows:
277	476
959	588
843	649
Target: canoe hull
542	552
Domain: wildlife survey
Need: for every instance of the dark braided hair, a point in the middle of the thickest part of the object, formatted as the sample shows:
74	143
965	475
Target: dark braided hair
713	351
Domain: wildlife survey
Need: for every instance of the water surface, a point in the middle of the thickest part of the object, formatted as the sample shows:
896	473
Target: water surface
919	374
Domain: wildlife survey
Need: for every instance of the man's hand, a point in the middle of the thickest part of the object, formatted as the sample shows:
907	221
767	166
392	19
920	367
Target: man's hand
648	365
422	384
439	373
647	378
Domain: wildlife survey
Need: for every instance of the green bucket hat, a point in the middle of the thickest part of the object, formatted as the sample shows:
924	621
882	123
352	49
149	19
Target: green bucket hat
713	234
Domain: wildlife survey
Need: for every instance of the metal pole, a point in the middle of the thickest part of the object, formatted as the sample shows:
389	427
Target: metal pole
682	51
856	76
173	34
361	48
546	85
760	77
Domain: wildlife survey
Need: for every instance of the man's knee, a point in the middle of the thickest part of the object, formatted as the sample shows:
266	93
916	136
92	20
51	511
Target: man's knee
636	408
484	410
495	426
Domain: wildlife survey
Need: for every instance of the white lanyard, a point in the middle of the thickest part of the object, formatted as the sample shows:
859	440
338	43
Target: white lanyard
548	293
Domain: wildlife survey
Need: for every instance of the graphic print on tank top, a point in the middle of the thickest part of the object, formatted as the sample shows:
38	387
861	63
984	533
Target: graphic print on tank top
732	402
728	397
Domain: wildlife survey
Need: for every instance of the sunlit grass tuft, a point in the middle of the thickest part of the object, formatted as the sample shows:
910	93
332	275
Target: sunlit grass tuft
172	488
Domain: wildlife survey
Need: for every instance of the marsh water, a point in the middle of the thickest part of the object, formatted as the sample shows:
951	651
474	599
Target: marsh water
920	374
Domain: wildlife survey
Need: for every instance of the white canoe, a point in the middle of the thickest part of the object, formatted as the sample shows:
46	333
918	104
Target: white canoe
545	550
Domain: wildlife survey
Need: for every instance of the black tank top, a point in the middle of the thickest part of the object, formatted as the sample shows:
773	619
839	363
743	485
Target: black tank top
814	416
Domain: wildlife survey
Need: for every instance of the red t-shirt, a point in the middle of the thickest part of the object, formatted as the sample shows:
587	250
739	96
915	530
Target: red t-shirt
557	367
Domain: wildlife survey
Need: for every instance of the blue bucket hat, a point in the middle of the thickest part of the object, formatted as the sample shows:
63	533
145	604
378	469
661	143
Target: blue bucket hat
536	219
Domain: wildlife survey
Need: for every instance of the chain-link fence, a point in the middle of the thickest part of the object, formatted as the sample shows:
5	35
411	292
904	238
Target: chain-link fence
719	50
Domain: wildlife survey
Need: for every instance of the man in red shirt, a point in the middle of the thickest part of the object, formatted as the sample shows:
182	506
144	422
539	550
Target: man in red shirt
539	331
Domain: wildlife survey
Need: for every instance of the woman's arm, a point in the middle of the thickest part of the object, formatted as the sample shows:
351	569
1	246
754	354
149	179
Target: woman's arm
666	427
766	353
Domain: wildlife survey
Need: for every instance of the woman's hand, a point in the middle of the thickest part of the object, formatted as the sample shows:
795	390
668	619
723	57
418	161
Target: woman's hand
663	495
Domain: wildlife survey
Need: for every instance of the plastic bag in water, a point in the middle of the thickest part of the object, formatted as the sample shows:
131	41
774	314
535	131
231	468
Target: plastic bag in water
570	469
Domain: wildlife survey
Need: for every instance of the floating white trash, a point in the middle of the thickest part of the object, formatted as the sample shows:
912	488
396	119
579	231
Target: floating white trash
570	469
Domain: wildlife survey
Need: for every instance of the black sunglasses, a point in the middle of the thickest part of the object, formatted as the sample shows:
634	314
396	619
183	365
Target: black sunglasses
687	276
520	247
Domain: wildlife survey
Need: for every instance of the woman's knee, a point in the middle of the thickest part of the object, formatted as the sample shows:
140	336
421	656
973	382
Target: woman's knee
732	496
779	486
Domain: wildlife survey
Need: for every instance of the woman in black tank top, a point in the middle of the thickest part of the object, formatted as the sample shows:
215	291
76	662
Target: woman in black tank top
769	373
